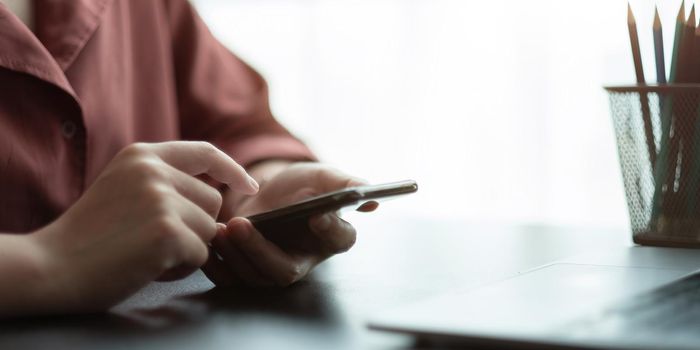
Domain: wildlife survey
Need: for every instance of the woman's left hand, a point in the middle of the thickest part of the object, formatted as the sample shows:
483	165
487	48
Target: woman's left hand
242	255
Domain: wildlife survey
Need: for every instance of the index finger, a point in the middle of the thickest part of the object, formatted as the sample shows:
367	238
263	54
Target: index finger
196	157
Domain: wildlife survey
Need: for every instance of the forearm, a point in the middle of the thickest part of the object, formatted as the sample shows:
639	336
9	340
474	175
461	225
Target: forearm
261	172
21	276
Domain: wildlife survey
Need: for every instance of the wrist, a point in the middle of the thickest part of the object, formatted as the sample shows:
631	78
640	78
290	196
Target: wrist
24	276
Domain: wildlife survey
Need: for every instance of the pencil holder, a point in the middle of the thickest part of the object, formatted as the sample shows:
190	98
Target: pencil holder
657	128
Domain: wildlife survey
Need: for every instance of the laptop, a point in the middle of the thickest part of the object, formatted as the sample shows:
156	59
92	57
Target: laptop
624	298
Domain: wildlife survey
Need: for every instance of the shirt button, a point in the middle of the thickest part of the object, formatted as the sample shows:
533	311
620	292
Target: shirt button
68	129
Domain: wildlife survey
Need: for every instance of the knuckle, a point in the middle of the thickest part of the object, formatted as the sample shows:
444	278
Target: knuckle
164	227
137	149
217	200
148	169
201	255
207	148
166	238
157	197
209	233
166	241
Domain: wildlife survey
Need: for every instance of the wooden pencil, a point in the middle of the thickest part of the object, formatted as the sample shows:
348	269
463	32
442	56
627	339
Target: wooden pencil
634	41
663	172
681	149
678	35
685	52
681	123
694	176
696	56
659	49
639	72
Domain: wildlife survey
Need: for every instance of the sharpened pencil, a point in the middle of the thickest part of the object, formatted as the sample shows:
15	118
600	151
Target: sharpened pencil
694	177
639	72
685	51
682	120
688	181
664	171
678	35
659	49
634	41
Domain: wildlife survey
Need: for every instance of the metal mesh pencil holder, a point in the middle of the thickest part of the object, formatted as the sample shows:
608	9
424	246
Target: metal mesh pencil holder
657	129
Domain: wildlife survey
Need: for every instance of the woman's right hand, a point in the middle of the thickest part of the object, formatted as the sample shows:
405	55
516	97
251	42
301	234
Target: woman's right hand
145	217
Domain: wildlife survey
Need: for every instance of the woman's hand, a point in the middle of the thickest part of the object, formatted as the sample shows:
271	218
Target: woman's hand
245	256
146	216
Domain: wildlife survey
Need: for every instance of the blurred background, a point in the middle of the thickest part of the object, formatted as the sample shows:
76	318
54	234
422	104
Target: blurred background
496	108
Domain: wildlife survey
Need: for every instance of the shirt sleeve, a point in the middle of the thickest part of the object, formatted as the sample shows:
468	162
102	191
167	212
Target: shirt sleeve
221	99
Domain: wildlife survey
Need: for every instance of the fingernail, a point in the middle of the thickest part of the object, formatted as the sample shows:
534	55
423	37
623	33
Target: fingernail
253	185
368	206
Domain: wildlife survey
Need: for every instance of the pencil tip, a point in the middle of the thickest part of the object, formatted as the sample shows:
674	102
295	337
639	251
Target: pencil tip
630	15
657	20
691	18
681	12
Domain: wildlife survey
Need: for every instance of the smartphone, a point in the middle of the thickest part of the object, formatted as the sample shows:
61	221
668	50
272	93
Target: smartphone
333	201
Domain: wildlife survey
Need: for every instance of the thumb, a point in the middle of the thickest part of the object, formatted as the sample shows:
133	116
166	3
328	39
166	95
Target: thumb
238	229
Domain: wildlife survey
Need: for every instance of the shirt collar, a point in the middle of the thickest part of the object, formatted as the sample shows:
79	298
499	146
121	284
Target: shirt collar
21	51
61	30
65	26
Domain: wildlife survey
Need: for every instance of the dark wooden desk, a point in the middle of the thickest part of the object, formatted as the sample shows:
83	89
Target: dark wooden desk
395	261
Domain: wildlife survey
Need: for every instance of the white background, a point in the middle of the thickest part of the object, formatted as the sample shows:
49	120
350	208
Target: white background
496	108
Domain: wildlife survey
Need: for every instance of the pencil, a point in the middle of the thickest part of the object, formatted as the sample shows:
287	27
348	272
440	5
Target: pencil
685	52
634	40
678	35
681	152
659	49
639	72
696	55
694	177
662	173
694	186
690	138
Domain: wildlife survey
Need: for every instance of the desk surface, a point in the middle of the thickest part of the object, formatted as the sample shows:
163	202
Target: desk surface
395	261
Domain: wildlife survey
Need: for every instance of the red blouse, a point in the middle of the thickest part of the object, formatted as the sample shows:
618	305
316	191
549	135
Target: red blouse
97	75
